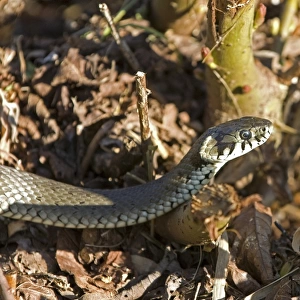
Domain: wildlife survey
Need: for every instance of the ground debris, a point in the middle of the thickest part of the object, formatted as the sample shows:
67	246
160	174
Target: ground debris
69	114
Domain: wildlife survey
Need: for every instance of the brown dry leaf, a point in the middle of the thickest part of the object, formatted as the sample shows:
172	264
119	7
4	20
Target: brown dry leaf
73	69
173	283
112	268
8	283
33	254
169	121
104	295
9	119
66	253
6	56
32	262
137	287
296	241
30	126
251	246
114	272
32	291
41	286
9	11
117	258
180	285
112	89
14	227
54	131
291	212
244	282
37	104
42	78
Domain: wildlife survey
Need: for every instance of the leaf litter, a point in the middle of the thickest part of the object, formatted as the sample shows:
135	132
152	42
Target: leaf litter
75	86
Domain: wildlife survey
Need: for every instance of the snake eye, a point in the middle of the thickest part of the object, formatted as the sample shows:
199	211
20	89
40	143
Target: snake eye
245	134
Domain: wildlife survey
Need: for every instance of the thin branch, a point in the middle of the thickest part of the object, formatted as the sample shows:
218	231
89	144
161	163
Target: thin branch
120	42
106	127
142	106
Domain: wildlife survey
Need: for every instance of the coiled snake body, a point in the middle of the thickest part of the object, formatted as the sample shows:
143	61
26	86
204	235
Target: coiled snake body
33	198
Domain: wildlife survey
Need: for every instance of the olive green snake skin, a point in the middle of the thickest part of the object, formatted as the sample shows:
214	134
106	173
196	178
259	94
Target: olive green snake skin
33	198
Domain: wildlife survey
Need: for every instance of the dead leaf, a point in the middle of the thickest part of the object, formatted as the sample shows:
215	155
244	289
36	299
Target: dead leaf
243	280
287	289
66	258
251	246
74	68
33	291
296	241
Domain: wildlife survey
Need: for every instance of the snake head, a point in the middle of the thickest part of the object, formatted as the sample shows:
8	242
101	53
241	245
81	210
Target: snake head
234	138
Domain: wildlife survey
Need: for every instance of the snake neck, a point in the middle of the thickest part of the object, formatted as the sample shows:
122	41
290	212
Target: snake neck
187	179
193	167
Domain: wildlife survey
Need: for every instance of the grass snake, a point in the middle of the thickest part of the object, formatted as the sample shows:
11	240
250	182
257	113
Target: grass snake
33	198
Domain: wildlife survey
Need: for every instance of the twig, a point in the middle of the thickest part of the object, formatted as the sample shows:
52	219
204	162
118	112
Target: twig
267	289
138	179
139	285
21	58
122	12
120	42
221	267
158	142
142	106
289	12
230	94
94	144
209	61
142	94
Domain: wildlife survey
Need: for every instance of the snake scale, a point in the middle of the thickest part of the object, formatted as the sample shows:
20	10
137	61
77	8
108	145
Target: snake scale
33	198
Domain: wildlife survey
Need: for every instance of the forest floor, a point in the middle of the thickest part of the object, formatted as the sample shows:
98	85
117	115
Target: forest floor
74	88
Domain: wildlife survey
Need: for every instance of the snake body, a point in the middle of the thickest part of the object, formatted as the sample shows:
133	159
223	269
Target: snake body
33	198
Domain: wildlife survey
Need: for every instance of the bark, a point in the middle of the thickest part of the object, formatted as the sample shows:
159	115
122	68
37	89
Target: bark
236	83
182	16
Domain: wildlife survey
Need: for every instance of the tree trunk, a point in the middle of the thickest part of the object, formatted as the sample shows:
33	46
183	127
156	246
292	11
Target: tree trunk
236	83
